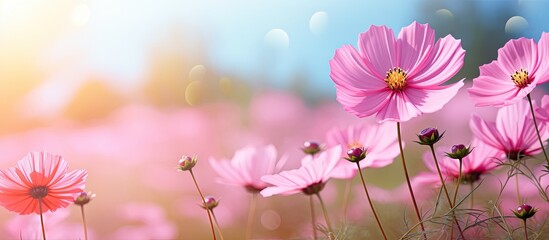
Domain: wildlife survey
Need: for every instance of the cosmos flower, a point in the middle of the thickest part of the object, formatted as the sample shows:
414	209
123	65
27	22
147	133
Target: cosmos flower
480	161
542	112
40	176
396	78
515	73
247	167
513	133
310	178
381	148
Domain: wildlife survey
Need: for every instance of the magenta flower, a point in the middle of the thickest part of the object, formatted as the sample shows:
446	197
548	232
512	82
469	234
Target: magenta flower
517	70
481	160
247	167
381	148
310	178
513	133
40	176
396	79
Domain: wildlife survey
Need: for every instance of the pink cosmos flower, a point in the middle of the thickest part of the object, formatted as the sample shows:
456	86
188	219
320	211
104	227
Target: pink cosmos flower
481	160
515	73
513	133
542	112
381	148
247	167
396	78
40	175
310	178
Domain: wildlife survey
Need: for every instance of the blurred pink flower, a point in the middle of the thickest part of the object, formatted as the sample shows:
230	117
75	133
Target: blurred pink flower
542	112
151	223
513	132
247	167
515	73
309	178
58	226
397	79
381	148
481	160
40	175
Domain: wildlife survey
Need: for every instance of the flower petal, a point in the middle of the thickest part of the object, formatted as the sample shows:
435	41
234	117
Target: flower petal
428	100
517	54
444	61
543	52
398	108
414	45
362	104
378	48
347	70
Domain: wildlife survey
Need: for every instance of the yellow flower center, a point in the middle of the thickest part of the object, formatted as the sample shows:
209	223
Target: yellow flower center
521	78
354	144
396	79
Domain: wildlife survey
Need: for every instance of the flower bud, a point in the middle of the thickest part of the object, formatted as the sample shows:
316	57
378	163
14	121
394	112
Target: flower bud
525	211
186	163
429	136
209	203
311	148
459	151
84	198
356	154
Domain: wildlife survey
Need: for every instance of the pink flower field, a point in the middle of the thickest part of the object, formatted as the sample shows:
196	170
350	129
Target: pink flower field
223	120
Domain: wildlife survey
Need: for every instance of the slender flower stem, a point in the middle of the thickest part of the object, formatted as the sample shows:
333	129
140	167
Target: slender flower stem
440	176
217	225
517	187
458	181
203	204
251	212
84	222
313	216
446	193
537	130
472	202
370	201
408	181
525	230
41	219
325	212
346	197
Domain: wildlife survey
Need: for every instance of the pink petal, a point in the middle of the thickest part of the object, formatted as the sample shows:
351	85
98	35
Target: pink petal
378	48
543	51
428	100
362	104
414	44
444	61
517	54
399	108
486	132
348	71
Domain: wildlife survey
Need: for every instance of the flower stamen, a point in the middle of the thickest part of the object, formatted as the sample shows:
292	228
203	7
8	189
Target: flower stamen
396	79
521	78
38	192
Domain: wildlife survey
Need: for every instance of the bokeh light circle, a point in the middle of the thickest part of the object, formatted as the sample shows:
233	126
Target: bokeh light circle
318	22
515	25
277	39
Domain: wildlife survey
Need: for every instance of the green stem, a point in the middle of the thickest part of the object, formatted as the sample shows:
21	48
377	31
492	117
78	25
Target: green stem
328	224
217	225
537	129
458	181
517	187
84	222
408	181
251	212
472	203
370	201
313	216
525	230
204	204
41	219
447	195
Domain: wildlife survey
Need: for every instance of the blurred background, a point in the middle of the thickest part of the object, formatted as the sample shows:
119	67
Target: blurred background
124	88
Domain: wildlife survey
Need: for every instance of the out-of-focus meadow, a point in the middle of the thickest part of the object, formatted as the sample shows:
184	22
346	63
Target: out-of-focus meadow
125	88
